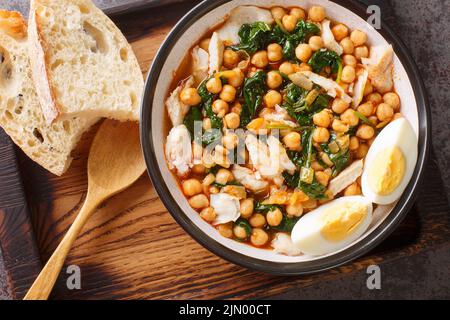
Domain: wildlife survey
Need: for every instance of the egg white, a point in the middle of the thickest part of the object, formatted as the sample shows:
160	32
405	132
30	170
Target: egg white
398	133
307	235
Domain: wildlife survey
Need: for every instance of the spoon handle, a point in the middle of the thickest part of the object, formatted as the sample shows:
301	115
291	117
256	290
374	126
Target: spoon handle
43	285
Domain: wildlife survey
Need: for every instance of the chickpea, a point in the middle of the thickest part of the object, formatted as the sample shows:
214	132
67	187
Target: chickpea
384	112
398	115
214	85
278	12
316	166
272	98
322	177
274	217
361	52
373	120
322	119
198	169
339	106
257	220
375	98
259	237
392	99
287	68
348	74
230	58
354	143
340	31
315	43
321	135
349	60
247	206
365	132
274	52
230	141
299	13
240	232
190	97
232	120
289	22
220	108
302	67
294	210
293	141
274	79
199	201
225	230
210	178
224	176
303	52
368	89
228	93
339	126
237	108
349	117
237	79
366	109
204	44
347	45
260	59
316	13
213	190
352	190
362	150
358	37
207	124
208	214
191	187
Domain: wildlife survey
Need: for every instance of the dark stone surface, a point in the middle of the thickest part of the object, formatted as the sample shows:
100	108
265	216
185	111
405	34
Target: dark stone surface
424	26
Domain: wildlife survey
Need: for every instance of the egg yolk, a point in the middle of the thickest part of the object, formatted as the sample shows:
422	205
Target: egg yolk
341	221
387	171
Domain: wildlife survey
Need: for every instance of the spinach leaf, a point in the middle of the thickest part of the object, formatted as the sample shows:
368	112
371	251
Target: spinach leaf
193	115
290	41
253	37
296	157
231	183
325	58
298	106
245	225
264	208
211	137
292	180
314	190
287	224
207	101
253	92
339	159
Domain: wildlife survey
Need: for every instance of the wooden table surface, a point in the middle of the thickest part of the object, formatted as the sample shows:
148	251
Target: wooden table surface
133	249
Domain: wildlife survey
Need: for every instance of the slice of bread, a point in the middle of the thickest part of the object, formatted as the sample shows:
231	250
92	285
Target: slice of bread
20	113
82	63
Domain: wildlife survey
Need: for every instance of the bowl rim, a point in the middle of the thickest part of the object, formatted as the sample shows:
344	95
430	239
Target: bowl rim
280	268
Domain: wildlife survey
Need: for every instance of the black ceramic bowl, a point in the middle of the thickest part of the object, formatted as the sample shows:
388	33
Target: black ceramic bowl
153	133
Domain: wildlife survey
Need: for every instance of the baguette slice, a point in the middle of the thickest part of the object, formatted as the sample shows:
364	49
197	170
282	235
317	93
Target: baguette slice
20	113
82	63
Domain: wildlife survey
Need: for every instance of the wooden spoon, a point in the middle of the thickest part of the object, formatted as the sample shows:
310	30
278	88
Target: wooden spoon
115	162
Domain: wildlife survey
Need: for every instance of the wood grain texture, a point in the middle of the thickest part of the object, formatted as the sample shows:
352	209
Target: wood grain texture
19	257
132	248
111	169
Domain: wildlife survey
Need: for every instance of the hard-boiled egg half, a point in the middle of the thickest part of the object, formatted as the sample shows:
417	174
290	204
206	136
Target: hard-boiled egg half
390	163
332	226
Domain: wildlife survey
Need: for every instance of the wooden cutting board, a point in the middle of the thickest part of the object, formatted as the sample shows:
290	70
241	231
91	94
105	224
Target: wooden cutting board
132	248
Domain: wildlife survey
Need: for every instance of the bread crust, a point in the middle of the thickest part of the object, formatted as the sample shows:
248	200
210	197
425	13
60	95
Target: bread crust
39	68
13	24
